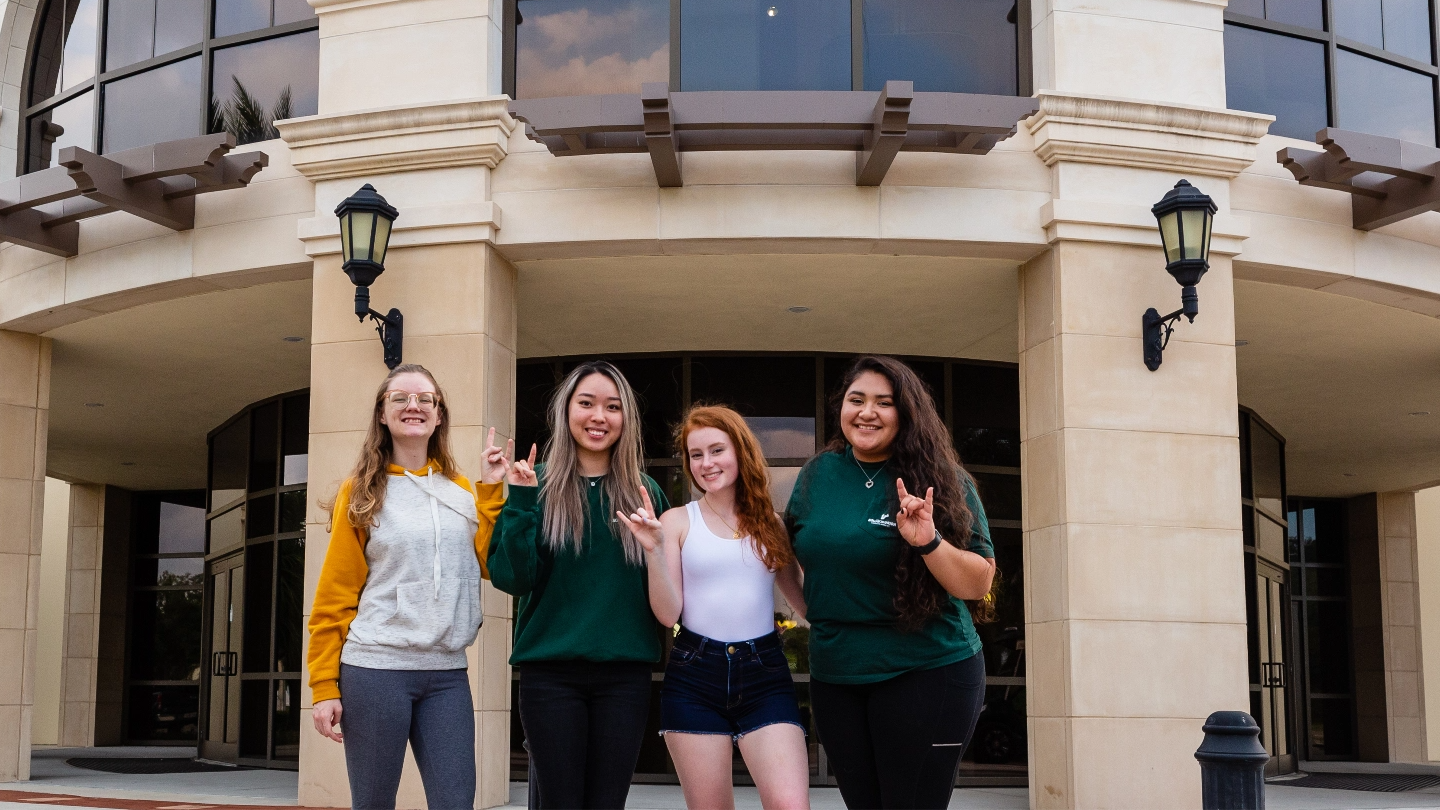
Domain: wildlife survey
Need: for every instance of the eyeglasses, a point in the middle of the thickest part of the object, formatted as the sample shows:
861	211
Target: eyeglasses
401	399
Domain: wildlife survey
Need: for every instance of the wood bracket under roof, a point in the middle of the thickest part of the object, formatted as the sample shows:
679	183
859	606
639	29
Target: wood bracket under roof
876	125
1388	179
157	183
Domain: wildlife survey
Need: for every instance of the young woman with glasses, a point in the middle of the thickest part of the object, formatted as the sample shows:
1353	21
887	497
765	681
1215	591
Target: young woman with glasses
893	542
398	600
585	639
713	568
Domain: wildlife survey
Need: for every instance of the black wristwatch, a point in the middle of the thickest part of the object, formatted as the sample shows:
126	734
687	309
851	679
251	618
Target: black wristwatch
932	545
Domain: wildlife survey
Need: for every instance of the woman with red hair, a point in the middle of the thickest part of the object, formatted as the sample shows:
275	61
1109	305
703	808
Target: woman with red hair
712	566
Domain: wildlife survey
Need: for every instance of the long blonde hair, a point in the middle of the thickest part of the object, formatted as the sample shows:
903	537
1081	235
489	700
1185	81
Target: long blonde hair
370	476
564	488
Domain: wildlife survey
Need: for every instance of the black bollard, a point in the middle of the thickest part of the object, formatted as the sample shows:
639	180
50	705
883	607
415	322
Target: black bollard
1232	763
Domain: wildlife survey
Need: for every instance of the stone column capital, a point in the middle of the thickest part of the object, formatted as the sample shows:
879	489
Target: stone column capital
1158	135
412	137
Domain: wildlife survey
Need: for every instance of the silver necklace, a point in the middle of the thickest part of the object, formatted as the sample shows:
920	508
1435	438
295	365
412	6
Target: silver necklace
869	479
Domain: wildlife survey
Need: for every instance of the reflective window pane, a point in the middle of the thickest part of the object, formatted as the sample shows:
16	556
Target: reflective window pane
287	719
165	635
941	45
1279	75
1331	727
252	86
782	483
1252	8
45	69
182	529
582	47
289	605
1328	642
289	11
1359	20
239	16
986	418
169	571
999	494
261	520
178	24
163	713
1383	99
294	446
784	436
254	718
259	560
228	530
1266	460
79	58
264	446
1307	13
69	124
228	463
129	32
163	104
292	511
765	45
1407	28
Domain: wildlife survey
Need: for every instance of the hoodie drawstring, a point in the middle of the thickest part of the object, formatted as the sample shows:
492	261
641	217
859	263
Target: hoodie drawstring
424	484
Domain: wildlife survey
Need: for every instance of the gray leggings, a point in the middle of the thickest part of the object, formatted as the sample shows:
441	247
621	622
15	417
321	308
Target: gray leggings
432	710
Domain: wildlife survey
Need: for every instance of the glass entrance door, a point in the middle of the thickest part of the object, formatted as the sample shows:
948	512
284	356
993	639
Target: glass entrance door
1270	699
221	736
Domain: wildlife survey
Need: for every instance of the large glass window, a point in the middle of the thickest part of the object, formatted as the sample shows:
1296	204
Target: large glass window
785	399
172	69
585	47
1363	65
1321	597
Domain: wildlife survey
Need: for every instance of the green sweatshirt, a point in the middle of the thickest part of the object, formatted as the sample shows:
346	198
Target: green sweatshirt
847	543
591	606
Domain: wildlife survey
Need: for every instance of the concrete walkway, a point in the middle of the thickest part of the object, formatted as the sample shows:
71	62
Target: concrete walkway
51	777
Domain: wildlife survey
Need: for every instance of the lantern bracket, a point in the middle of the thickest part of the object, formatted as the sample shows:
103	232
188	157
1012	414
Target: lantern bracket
1157	329
390	327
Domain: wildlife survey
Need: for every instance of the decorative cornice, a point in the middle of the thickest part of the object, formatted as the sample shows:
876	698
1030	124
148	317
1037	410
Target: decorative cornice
1148	134
417	225
1090	221
471	132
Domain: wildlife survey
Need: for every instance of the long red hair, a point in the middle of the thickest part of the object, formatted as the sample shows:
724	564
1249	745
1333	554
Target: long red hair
753	510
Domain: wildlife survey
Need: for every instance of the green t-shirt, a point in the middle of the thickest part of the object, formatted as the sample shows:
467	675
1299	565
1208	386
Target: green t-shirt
591	606
847	543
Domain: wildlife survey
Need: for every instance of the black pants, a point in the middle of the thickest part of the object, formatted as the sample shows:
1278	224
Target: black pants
584	723
897	743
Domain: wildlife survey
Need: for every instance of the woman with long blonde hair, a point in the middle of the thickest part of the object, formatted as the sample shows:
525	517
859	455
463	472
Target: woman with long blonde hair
398	600
714	564
585	639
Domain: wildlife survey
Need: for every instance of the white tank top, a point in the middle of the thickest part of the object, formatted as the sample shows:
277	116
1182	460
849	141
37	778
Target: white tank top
729	593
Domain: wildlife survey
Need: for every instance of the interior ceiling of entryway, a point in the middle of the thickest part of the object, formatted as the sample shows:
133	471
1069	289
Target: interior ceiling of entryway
942	306
165	375
1338	378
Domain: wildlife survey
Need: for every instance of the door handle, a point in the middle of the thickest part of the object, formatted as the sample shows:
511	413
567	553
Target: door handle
232	663
1275	675
216	668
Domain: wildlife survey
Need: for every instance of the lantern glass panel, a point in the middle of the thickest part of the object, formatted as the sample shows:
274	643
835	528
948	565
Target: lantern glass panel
1192	230
345	252
1205	243
362	226
1170	235
382	238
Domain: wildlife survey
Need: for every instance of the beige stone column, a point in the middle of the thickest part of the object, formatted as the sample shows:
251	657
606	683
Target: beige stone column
1400	608
24	426
1134	568
82	616
407	104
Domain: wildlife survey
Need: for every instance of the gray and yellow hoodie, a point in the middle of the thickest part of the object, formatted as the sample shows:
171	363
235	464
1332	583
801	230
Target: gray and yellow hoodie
404	593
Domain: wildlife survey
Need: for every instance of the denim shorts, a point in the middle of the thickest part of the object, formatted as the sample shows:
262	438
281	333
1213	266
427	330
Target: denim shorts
732	688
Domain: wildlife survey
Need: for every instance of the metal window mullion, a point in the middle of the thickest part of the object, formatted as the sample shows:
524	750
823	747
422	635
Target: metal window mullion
508	35
857	44
97	120
146	65
1024	51
675	37
207	114
1332	90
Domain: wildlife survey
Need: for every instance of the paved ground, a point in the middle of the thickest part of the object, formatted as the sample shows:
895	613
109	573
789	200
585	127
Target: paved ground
58	785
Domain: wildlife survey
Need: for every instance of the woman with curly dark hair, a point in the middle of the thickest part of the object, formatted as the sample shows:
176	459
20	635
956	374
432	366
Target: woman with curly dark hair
893	542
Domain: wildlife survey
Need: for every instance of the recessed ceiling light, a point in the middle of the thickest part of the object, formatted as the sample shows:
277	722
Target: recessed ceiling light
292	339
770	11
127	464
1419	413
1349	475
94	404
797	309
1240	343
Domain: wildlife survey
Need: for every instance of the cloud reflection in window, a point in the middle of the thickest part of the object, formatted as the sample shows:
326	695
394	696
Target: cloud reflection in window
586	47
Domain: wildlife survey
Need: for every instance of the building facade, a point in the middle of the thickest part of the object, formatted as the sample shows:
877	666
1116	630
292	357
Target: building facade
730	199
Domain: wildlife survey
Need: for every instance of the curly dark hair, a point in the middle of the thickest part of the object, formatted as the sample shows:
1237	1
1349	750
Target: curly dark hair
923	455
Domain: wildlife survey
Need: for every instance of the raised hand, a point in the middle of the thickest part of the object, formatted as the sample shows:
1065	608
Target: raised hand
916	518
496	461
522	472
644	524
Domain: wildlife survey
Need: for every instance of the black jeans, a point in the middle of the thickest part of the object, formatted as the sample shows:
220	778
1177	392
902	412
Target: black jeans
897	743
584	723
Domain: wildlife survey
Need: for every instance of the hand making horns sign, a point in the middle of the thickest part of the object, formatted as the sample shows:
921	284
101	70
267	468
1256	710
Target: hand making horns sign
522	471
644	523
916	518
496	461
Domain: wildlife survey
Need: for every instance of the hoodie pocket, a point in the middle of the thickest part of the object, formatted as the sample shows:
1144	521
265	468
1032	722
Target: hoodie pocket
424	620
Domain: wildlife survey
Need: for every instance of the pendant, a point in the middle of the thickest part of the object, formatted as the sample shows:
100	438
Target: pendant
869	484
735	535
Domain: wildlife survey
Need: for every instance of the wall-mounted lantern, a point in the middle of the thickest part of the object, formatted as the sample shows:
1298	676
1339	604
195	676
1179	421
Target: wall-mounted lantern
1185	216
365	220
